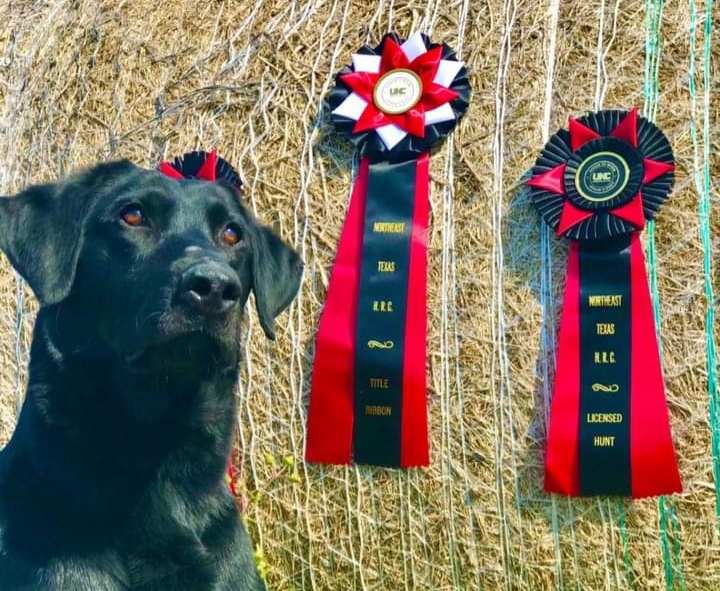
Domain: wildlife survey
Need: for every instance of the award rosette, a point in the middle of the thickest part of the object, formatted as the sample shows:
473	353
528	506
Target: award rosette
367	401
597	183
206	166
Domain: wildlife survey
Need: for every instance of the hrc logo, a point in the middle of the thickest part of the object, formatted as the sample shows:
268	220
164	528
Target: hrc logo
602	176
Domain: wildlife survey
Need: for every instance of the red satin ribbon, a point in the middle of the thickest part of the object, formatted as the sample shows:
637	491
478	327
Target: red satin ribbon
652	457
330	416
425	66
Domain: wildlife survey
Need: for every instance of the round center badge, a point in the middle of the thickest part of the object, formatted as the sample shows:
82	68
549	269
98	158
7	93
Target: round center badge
602	176
605	176
397	91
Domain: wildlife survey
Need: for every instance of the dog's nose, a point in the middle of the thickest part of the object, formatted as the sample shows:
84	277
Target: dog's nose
209	288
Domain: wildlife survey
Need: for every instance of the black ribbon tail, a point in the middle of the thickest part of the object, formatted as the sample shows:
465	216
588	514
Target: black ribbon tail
605	362
381	317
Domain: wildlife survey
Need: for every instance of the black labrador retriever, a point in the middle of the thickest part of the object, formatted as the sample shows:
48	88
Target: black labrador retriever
114	477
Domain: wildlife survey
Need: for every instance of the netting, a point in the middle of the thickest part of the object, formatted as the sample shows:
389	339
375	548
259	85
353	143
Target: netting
86	81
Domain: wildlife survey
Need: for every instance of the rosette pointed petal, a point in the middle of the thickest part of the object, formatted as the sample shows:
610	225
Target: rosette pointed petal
168	170
655	169
207	171
413	121
371	118
580	134
390	135
447	72
426	65
552	180
571	216
439	115
435	95
632	212
626	130
393	57
414	46
362	83
352	107
363	62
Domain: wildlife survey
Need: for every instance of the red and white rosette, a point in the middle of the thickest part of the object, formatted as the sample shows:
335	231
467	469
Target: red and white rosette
400	96
367	400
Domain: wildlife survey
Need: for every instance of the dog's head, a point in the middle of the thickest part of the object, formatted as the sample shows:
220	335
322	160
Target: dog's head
135	259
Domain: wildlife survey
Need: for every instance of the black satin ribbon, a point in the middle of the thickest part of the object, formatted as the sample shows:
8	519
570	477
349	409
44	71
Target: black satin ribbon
605	357
382	304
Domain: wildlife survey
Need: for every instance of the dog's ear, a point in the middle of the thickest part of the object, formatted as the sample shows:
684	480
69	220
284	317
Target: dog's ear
41	228
277	270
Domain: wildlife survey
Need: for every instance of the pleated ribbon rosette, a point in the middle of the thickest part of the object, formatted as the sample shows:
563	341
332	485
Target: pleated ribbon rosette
597	184
368	396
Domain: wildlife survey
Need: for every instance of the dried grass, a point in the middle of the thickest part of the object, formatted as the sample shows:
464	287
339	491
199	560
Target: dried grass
85	81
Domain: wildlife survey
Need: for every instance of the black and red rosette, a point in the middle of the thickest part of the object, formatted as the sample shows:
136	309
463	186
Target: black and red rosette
206	166
367	401
597	183
604	177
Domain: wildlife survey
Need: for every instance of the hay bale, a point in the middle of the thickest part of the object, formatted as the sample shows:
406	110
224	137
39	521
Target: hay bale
88	81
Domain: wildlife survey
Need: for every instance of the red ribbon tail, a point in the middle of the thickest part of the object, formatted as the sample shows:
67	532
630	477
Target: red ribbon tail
330	416
652	456
332	394
653	465
562	457
414	429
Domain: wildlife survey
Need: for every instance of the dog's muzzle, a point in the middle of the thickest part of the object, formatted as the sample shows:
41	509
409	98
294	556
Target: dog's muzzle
209	288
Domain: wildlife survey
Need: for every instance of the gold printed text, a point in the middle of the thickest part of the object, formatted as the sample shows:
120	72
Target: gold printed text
389	227
604	417
382	306
605	301
378	410
604	357
605	328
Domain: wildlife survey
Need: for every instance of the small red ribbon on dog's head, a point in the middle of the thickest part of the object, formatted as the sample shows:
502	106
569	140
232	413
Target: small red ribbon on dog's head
206	166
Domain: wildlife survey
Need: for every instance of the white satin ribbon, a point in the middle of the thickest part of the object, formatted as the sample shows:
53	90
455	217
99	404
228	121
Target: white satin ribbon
391	135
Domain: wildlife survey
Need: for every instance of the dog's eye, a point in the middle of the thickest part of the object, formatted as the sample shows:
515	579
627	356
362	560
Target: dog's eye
231	234
132	215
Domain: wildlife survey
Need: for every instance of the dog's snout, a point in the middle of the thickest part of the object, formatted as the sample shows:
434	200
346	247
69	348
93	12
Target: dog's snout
210	288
